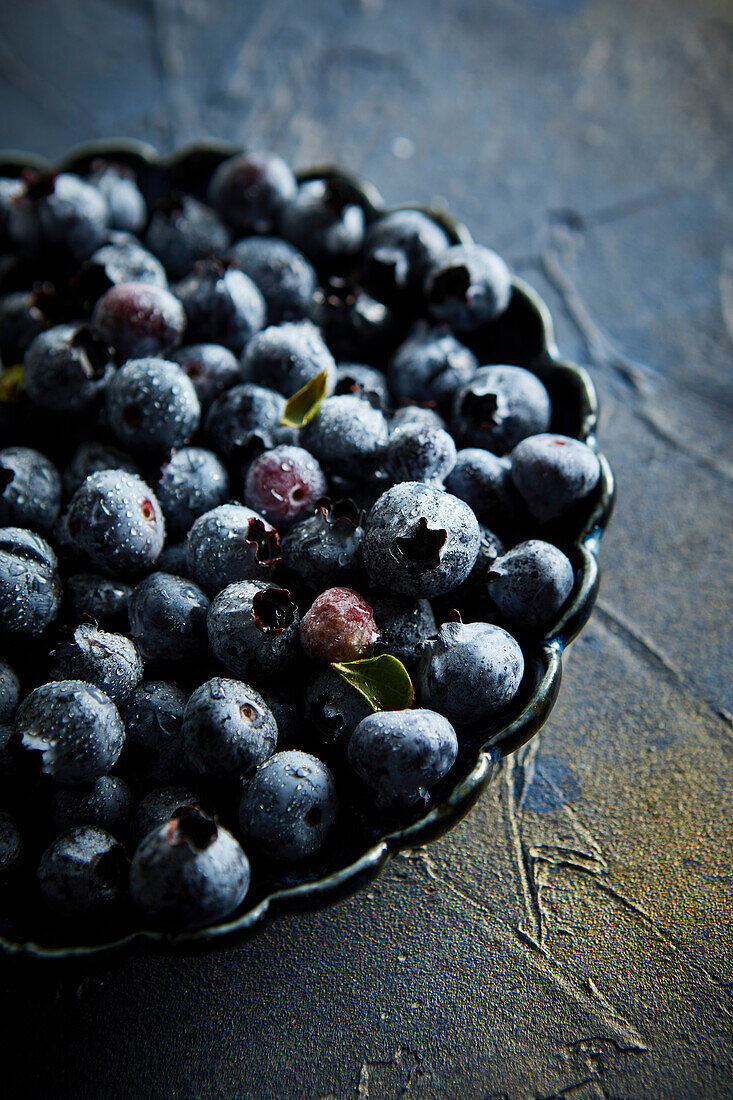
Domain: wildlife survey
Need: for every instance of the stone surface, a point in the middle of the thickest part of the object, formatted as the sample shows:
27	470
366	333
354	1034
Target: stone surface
572	937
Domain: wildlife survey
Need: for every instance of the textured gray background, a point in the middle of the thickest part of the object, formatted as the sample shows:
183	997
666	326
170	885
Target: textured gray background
573	936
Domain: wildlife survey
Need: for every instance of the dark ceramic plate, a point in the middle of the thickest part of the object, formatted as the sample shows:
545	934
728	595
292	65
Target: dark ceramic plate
522	336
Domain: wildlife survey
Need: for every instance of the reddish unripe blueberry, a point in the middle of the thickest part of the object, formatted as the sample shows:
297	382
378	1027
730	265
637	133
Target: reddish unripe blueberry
284	484
338	627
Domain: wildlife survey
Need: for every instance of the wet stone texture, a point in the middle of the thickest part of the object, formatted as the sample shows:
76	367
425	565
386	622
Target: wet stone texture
572	937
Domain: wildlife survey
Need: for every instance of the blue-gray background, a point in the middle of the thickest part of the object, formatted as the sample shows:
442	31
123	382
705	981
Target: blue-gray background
573	937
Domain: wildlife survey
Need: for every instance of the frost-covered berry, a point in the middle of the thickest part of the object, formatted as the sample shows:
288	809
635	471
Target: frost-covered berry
404	624
402	754
339	626
153	717
231	543
191	482
284	484
498	407
91	457
430	366
59	214
249	190
126	208
122	260
554	472
482	480
168	617
416	414
417	452
530	583
211	367
106	803
324	222
399	249
92	598
285	278
286	357
222	305
30	489
327	545
82	875
362	381
139	319
30	585
355	325
183	230
470	671
66	368
152	405
347	435
253	628
289	806
333	708
420	541
467	286
110	662
189	872
245	421
74	727
115	520
228	729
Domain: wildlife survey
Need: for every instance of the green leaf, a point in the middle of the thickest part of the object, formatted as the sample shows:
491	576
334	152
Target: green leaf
11	383
383	681
304	405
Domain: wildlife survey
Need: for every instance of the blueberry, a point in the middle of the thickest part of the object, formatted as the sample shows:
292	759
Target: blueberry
530	584
362	381
283	275
223	306
248	190
82	875
554	472
499	407
231	543
417	452
30	585
347	435
11	848
429	367
334	708
401	754
286	714
152	405
288	356
156	809
253	628
106	803
115	520
284	484
470	670
9	693
110	662
173	559
91	457
355	325
153	718
420	541
168	617
30	489
468	286
327	546
122	260
183	230
139	319
245	421
59	214
211	367
289	806
126	208
10	189
22	318
416	414
474	591
66	368
74	727
404	624
399	249
192	481
228	729
188	872
325	223
338	626
482	480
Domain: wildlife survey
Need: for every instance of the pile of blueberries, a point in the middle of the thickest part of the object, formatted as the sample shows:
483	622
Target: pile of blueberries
182	564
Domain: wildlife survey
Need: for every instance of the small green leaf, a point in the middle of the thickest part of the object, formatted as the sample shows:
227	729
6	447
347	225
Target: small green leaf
11	383
304	405
383	681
